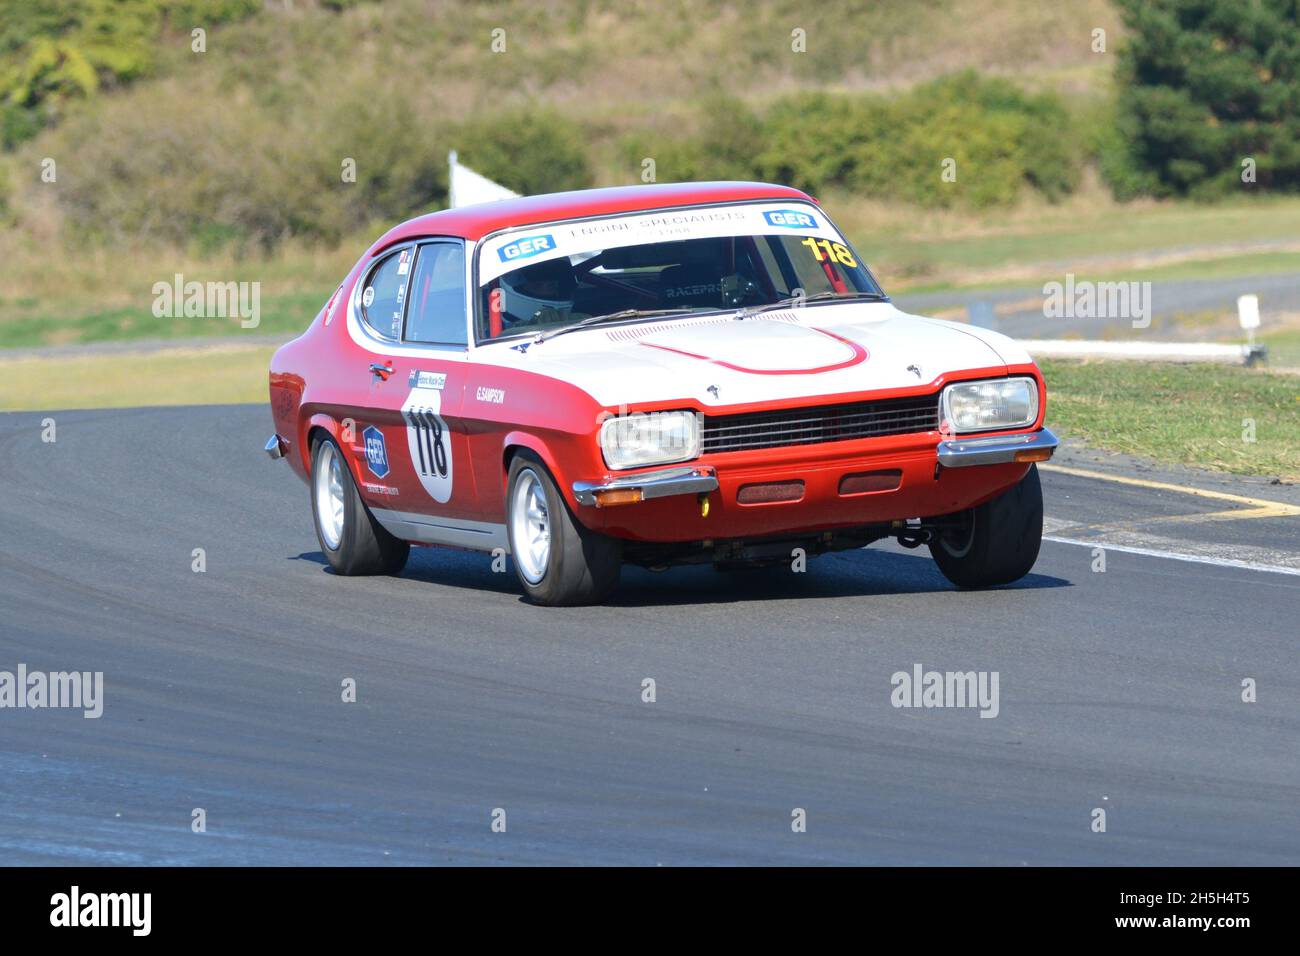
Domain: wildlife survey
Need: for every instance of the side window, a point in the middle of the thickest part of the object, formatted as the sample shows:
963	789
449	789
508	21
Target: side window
436	313
384	293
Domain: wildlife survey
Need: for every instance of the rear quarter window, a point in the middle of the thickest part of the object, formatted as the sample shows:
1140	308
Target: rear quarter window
384	294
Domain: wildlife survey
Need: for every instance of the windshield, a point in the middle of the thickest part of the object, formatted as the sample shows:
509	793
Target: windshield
727	257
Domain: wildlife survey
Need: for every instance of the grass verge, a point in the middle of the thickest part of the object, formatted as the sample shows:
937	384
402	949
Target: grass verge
181	376
286	313
1196	415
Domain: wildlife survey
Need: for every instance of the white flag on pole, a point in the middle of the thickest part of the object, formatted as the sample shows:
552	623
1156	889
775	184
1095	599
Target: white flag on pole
466	187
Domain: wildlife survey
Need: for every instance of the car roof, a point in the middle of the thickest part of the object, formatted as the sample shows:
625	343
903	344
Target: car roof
475	222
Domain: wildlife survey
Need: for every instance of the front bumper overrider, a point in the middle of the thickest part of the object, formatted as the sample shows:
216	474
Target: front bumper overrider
681	480
998	450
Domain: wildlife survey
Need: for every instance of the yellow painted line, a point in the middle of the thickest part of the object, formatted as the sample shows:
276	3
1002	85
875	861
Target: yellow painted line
1261	508
1265	511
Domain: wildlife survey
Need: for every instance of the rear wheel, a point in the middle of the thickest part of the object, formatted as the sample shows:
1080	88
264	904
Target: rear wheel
353	542
996	542
559	562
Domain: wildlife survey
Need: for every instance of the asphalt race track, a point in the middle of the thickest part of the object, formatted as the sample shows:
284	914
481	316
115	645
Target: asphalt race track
1020	309
1118	690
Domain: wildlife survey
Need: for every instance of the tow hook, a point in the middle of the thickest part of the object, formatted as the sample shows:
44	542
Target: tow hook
911	534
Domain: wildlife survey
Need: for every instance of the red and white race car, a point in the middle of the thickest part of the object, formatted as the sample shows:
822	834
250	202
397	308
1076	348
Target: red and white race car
655	374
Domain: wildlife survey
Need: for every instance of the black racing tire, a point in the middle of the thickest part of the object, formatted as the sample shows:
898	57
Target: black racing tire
998	541
574	565
355	544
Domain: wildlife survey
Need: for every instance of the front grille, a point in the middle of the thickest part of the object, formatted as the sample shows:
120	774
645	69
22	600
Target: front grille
822	423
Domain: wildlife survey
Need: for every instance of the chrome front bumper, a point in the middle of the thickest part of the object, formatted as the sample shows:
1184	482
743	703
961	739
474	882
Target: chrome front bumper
682	480
274	447
686	480
998	450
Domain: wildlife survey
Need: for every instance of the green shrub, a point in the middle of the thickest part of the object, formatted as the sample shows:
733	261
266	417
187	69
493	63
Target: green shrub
6	213
22	21
223	170
719	142
815	140
17	124
187	14
1002	139
54	53
1108	138
527	150
988	167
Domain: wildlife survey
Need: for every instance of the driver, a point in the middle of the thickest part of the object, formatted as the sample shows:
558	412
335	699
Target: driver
538	294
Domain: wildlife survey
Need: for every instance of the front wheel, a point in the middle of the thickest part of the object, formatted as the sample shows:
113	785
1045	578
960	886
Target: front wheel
353	542
996	542
559	562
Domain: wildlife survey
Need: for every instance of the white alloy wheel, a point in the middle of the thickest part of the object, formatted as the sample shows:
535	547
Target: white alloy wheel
328	487
530	526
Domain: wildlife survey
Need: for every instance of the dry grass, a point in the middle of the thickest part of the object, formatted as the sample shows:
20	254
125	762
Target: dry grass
52	298
192	376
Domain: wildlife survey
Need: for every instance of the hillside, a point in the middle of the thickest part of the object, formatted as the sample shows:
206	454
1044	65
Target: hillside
227	162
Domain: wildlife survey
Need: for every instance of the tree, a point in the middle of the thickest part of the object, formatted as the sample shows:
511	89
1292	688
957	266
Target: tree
54	53
1206	85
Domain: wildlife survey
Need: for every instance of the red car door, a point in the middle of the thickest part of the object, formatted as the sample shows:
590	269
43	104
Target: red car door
416	470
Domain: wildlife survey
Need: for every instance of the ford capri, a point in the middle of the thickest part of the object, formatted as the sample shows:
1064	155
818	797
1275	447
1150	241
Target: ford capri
660	374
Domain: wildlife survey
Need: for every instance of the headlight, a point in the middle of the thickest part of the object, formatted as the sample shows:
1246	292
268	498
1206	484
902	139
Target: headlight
650	438
985	406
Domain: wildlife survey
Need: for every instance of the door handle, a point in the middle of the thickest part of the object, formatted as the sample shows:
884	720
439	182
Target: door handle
383	371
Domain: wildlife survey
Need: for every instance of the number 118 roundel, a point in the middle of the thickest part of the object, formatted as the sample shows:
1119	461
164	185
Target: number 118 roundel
690	373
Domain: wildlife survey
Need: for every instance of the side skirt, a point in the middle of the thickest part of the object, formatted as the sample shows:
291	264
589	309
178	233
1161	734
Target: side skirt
429	529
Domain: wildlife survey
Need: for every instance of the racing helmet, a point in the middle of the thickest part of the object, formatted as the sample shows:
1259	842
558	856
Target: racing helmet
541	292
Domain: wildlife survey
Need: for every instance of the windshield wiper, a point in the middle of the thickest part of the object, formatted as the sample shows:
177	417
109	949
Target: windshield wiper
610	317
800	299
